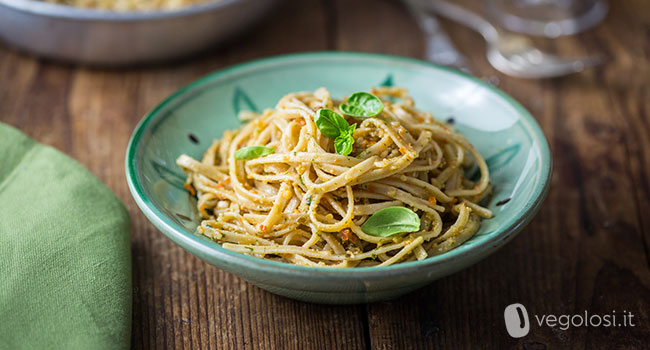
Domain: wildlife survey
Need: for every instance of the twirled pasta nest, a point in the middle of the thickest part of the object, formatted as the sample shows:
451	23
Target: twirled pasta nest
291	197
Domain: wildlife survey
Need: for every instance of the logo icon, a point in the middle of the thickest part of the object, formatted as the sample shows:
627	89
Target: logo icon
516	318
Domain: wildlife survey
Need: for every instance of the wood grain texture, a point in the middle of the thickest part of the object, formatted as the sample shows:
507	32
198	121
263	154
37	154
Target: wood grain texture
587	249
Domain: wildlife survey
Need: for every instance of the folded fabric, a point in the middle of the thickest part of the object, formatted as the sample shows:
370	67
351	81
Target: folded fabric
65	262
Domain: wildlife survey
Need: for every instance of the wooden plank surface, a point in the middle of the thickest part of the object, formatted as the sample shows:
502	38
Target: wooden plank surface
587	249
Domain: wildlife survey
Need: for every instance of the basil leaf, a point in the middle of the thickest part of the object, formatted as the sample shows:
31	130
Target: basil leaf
389	221
344	142
330	123
252	152
343	145
362	105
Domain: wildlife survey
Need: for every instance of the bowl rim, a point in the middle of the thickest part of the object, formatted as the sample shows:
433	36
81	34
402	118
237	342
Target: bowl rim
180	234
42	8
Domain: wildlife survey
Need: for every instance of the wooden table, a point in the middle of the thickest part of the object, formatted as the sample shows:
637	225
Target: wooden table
588	248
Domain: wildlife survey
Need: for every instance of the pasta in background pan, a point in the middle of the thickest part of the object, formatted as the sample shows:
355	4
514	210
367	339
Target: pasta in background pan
131	5
366	181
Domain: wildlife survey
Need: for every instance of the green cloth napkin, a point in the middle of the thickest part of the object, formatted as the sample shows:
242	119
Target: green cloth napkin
65	262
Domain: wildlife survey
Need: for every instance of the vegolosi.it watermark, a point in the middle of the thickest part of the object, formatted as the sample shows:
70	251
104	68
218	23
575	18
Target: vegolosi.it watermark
518	322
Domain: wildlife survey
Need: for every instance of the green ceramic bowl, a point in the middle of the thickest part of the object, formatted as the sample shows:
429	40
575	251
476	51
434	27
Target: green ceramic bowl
187	122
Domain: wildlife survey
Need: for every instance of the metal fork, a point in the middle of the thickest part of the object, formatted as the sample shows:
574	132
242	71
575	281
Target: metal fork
512	54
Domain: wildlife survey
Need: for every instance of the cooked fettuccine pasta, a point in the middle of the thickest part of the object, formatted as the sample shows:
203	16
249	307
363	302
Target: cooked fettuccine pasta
367	181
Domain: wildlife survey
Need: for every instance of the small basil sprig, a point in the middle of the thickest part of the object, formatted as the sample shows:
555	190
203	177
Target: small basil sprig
252	152
332	125
389	221
362	105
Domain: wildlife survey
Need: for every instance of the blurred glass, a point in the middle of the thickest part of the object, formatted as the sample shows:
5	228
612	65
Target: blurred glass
549	18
